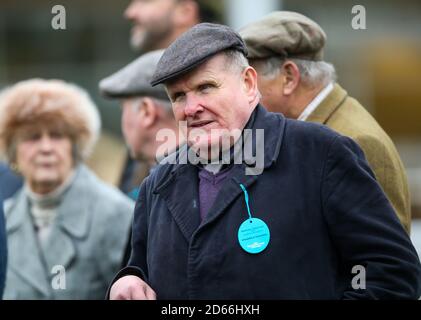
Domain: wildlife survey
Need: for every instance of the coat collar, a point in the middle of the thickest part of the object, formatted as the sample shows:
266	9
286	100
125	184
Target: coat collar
73	214
328	106
72	221
179	189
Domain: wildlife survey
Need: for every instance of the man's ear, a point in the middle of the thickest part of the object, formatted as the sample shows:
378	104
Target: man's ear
148	112
250	83
186	13
290	77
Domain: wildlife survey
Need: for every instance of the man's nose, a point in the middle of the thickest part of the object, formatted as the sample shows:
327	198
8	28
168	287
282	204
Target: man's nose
194	105
130	10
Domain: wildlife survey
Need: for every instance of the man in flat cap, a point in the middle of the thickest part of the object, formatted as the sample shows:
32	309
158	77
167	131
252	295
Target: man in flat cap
145	111
286	49
297	227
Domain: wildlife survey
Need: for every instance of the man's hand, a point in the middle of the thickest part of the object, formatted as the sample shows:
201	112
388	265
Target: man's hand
131	288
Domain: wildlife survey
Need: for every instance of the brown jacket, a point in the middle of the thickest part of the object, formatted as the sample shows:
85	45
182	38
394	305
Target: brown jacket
347	116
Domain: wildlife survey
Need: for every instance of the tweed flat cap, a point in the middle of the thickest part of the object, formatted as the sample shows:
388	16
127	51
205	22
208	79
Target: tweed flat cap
134	79
285	34
194	47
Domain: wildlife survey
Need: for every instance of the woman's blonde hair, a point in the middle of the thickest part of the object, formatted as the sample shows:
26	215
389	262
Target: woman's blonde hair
48	102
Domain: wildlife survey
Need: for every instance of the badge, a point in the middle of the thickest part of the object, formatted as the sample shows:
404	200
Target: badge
253	234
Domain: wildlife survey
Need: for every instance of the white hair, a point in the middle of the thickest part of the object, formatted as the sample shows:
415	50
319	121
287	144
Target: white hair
313	73
165	105
236	60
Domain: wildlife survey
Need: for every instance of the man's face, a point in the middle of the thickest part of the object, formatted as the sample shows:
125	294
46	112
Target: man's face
271	89
211	99
131	124
152	22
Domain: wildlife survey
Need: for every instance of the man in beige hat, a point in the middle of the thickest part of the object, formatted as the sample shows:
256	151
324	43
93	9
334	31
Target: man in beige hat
286	49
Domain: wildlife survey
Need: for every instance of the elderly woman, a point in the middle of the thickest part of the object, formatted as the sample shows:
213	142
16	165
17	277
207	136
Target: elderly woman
66	229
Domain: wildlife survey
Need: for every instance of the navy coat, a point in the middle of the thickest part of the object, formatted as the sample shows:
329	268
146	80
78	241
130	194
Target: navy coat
3	249
325	211
9	181
9	184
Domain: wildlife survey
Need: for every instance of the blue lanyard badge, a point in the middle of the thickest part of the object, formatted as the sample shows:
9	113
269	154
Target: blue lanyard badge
253	234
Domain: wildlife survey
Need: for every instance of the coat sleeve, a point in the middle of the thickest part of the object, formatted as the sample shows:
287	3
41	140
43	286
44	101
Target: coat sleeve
140	232
3	249
137	265
114	222
390	174
365	229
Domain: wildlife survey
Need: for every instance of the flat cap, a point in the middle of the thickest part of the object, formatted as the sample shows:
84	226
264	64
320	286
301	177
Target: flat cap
285	34
194	47
134	79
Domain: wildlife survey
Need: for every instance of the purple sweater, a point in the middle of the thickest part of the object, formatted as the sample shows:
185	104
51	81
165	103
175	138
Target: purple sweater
209	186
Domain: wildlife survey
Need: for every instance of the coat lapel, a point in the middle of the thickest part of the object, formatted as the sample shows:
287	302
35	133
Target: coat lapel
72	222
273	127
181	196
25	258
328	106
180	190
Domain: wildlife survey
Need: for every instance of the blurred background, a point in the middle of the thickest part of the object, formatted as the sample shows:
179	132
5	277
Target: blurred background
380	66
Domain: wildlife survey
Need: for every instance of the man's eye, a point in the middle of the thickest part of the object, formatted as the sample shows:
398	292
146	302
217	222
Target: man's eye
177	96
205	87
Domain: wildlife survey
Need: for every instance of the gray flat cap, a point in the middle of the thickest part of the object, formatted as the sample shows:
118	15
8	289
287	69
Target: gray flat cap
134	79
194	47
286	34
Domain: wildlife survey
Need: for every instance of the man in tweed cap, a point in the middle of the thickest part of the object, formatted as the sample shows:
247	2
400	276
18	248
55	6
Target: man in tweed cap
286	49
294	230
145	109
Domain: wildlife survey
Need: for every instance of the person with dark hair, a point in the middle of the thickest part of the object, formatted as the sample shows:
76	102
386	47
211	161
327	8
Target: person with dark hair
157	23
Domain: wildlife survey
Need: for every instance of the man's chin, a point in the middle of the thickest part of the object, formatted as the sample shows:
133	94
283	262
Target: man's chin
137	156
207	151
137	40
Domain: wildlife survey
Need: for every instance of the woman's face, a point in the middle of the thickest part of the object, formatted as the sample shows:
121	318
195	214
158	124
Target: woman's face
44	158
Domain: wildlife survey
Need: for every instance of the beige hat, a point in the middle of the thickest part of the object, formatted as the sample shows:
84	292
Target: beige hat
285	34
